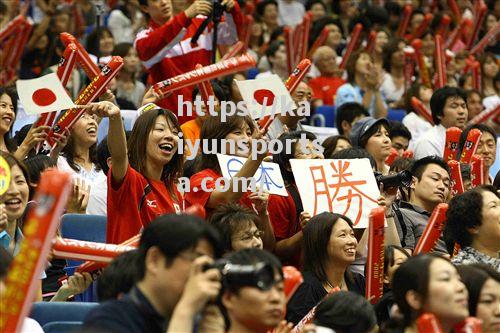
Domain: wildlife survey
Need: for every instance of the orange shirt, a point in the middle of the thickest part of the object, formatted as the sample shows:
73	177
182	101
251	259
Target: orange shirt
325	88
191	132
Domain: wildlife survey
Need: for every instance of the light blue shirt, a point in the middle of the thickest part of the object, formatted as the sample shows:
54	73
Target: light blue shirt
353	93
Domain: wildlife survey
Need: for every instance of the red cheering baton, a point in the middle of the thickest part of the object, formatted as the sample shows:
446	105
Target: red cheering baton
490	35
477	171
476	76
356	33
428	323
455	10
288	35
392	157
469	325
420	109
370	42
457	184
83	250
90	93
409	67
479	17
40	227
297	75
292	279
485	115
226	67
433	229
451	145
440	63
375	257
320	41
12	27
205	89
470	145
408	154
422	27
422	66
234	50
306	24
403	24
21	41
442	29
89	67
247	32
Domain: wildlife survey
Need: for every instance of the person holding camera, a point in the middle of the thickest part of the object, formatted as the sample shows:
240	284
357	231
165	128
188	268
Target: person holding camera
165	47
173	284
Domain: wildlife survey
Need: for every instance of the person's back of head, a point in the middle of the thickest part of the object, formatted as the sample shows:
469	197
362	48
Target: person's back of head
219	90
439	98
118	277
36	165
345	312
347	114
353	153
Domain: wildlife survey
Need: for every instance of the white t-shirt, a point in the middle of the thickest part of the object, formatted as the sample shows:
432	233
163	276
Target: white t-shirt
431	143
417	126
389	90
90	177
98	197
290	13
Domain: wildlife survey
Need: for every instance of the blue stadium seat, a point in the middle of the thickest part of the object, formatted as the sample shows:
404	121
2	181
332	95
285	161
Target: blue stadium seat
48	312
85	227
63	327
396	114
324	116
252	73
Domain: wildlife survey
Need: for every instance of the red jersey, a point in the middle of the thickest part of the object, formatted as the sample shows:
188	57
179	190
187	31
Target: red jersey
325	88
135	203
201	197
166	50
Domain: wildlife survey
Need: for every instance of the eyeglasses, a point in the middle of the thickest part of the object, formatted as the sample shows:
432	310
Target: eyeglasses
248	236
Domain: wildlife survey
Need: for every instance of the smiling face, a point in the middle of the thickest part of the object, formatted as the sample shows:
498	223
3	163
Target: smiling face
84	131
162	142
447	295
106	44
7	115
487	148
16	197
242	134
342	244
381	39
488	306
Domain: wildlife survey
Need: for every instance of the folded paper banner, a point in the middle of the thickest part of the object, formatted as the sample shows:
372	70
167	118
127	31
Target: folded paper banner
23	275
43	94
265	96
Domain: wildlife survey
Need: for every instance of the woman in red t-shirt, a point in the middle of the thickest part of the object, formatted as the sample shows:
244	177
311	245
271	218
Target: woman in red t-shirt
142	182
231	137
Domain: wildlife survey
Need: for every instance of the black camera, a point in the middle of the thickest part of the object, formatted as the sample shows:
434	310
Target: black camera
259	275
400	179
218	9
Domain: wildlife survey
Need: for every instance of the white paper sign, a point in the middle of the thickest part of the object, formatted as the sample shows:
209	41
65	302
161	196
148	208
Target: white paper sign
44	94
346	187
268	176
265	96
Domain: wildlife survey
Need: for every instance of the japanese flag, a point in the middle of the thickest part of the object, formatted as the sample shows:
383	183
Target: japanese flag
44	94
265	96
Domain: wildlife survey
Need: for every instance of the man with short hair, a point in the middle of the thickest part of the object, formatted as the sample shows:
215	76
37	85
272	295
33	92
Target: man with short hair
347	115
325	86
449	109
400	136
276	56
172	283
430	186
256	304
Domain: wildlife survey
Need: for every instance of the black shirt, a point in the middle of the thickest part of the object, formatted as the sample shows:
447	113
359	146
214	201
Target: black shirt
311	292
133	313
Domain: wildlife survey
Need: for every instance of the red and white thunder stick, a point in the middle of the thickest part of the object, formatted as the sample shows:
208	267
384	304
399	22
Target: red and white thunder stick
226	67
476	76
470	146
90	68
478	21
90	93
11	27
409	66
490	35
433	229
247	32
408	154
356	33
451	145
22	39
485	115
297	42
455	10
457	184
375	257
320	41
440	63
370	41
469	325
205	89
420	108
428	323
64	70
422	66
392	157
457	33
82	250
403	24
477	171
288	35
234	50
292	280
306	24
422	27
442	29
39	229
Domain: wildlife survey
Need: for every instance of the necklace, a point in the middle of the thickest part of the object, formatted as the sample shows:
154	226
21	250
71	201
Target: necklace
332	287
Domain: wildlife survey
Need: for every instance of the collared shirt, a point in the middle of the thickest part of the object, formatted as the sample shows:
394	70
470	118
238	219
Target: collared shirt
412	227
133	313
5	240
469	255
431	143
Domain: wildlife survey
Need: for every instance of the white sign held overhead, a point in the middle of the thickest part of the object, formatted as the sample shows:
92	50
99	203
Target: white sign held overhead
267	178
346	187
44	94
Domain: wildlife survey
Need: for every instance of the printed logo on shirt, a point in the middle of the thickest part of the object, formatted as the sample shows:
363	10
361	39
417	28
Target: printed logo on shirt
151	203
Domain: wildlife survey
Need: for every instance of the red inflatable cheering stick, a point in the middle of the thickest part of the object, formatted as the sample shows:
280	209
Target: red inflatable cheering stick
375	257
23	275
433	229
470	145
356	33
403	24
420	109
477	171
428	323
90	68
293	279
457	184
451	145
440	63
469	325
